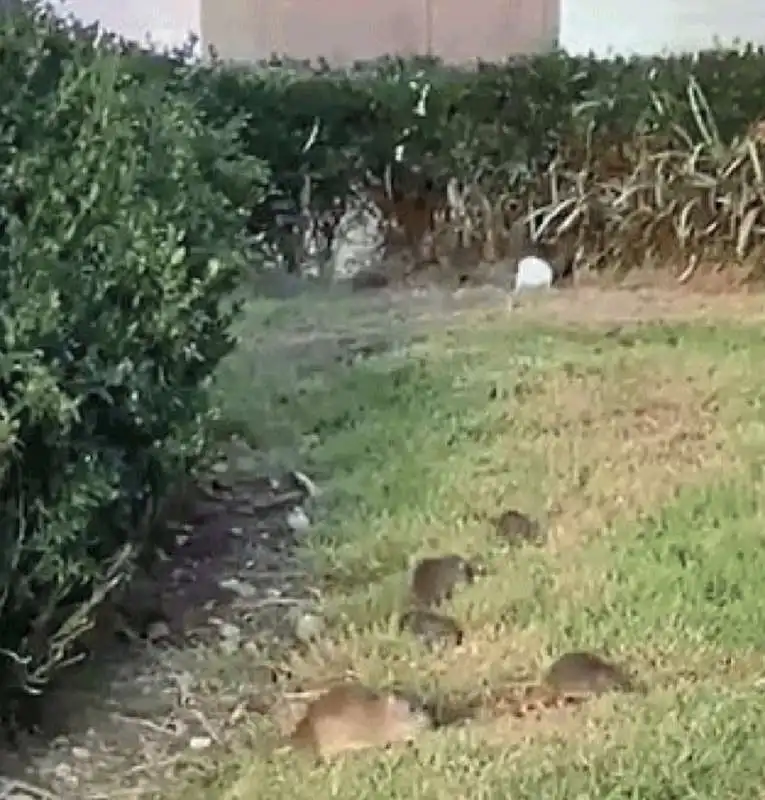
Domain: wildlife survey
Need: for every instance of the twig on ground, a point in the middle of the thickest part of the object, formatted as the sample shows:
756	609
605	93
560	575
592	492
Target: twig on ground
11	788
183	682
688	272
135	792
278	601
162	728
207	725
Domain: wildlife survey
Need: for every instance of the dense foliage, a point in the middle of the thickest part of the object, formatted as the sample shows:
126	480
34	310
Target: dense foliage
133	183
604	156
120	243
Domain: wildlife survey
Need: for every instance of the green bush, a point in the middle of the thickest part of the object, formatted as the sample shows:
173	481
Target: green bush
121	240
495	118
498	130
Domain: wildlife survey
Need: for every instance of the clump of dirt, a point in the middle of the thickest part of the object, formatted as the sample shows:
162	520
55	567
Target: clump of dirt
160	684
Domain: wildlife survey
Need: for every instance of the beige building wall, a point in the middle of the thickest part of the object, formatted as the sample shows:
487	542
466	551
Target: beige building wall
493	29
339	30
231	28
345	30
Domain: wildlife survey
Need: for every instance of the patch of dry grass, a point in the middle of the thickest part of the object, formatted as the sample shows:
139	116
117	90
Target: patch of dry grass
639	449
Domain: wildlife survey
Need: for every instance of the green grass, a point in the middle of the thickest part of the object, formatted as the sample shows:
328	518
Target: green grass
641	451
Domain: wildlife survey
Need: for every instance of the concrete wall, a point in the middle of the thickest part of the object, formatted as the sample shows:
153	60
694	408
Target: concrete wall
344	30
340	30
231	27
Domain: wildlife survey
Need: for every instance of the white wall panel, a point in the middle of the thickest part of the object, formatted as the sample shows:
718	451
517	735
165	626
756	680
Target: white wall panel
656	26
168	22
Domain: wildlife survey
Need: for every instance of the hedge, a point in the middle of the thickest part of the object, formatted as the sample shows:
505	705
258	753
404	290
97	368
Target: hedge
121	241
540	139
139	189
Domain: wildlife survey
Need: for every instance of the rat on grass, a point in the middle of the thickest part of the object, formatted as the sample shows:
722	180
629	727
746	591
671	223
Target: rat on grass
435	579
582	672
570	681
432	628
517	528
573	678
353	717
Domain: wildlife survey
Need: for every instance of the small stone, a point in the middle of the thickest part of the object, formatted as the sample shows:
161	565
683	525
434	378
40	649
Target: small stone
228	630
200	742
81	753
230	646
177	727
65	773
298	520
157	631
533	273
238	587
220	467
309	627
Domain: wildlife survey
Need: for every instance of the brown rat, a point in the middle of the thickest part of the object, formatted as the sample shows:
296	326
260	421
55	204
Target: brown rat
568	682
435	579
354	717
431	627
517	528
580	672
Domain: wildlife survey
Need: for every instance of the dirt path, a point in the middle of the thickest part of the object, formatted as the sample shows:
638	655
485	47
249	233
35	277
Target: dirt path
321	330
330	317
184	693
614	307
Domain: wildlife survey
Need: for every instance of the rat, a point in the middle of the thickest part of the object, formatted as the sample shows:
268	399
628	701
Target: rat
435	579
354	717
580	672
568	682
431	627
517	528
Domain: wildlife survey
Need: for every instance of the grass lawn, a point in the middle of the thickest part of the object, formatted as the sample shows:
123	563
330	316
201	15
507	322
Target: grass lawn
642	449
